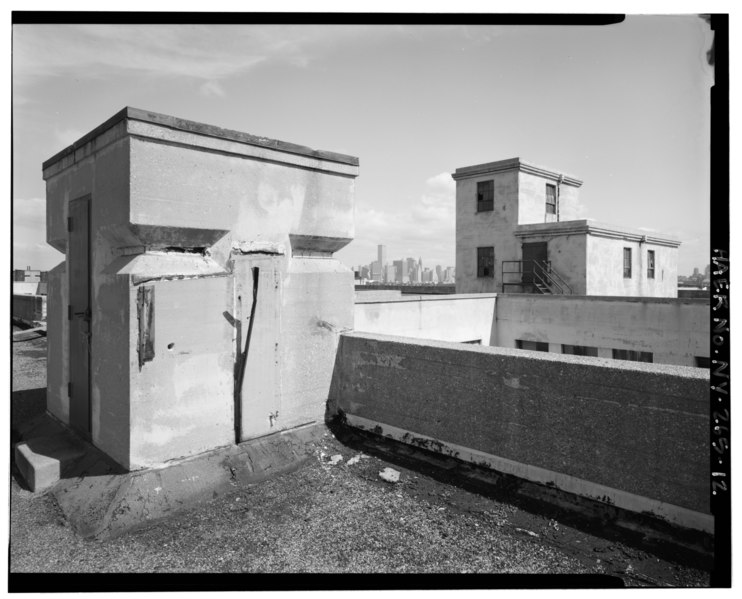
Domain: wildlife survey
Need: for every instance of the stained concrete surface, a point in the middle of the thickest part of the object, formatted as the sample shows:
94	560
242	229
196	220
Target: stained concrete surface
321	518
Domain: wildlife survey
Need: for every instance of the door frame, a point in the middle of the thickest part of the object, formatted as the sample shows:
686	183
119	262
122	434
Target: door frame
80	405
527	277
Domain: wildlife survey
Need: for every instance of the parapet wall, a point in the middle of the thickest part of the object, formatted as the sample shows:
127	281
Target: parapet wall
462	318
675	331
29	308
630	434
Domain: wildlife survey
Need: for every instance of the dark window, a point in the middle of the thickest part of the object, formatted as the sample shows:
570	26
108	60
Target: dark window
473	342
634	356
650	264
485	196
580	350
702	362
627	263
485	262
550	198
532	345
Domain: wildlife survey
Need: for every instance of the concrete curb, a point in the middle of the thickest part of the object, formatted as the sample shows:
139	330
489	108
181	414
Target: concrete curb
108	505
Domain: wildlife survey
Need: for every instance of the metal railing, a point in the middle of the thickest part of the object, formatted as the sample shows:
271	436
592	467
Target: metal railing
536	274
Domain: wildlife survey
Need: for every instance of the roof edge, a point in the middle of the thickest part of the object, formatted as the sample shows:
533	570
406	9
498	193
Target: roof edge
598	229
172	122
508	164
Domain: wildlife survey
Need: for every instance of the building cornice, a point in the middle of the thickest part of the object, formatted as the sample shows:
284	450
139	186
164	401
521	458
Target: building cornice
174	123
514	164
589	227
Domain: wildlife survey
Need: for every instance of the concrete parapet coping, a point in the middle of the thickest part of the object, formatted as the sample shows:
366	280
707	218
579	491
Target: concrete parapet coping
201	129
509	164
592	227
609	298
673	514
425	298
687	372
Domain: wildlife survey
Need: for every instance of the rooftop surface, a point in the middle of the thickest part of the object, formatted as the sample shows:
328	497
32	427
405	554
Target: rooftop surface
330	515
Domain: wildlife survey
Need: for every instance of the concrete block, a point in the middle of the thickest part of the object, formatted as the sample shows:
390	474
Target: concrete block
43	461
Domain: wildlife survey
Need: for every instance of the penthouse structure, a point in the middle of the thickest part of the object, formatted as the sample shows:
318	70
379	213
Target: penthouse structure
517	232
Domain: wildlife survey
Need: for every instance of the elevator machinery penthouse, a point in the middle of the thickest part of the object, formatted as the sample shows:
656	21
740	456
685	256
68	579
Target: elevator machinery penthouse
181	241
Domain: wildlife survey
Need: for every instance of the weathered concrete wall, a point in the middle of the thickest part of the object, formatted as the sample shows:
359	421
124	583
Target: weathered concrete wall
605	268
674	330
376	295
532	199
569	206
29	308
252	195
634	435
302	306
568	257
318	296
57	340
100	171
175	208
447	318
182	399
480	229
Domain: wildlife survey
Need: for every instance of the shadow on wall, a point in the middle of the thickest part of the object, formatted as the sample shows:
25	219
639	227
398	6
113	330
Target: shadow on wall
24	406
332	407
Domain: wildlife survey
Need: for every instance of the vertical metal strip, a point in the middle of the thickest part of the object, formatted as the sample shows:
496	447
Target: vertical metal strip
146	314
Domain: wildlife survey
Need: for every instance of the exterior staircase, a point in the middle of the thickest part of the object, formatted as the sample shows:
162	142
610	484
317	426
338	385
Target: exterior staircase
536	275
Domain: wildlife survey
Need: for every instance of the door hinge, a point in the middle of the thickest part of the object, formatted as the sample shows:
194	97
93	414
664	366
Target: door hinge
69	224
69	311
69	389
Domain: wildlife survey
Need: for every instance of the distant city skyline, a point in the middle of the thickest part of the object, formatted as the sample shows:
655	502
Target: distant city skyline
406	269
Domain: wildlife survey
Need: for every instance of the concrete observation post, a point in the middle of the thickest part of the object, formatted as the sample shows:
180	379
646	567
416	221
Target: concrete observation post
199	303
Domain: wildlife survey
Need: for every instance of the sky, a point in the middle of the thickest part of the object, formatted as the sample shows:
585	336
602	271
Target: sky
625	108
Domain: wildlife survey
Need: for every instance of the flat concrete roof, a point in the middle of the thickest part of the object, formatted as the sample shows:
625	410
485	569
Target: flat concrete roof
591	227
201	129
510	164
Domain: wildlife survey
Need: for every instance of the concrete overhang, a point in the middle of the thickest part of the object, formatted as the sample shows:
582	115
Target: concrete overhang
162	128
157	266
514	164
591	227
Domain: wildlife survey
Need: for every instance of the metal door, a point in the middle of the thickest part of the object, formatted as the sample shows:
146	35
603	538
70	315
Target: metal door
79	313
532	252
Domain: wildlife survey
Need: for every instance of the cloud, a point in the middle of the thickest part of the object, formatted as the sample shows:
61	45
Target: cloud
29	213
426	228
29	235
66	137
212	88
102	51
202	53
